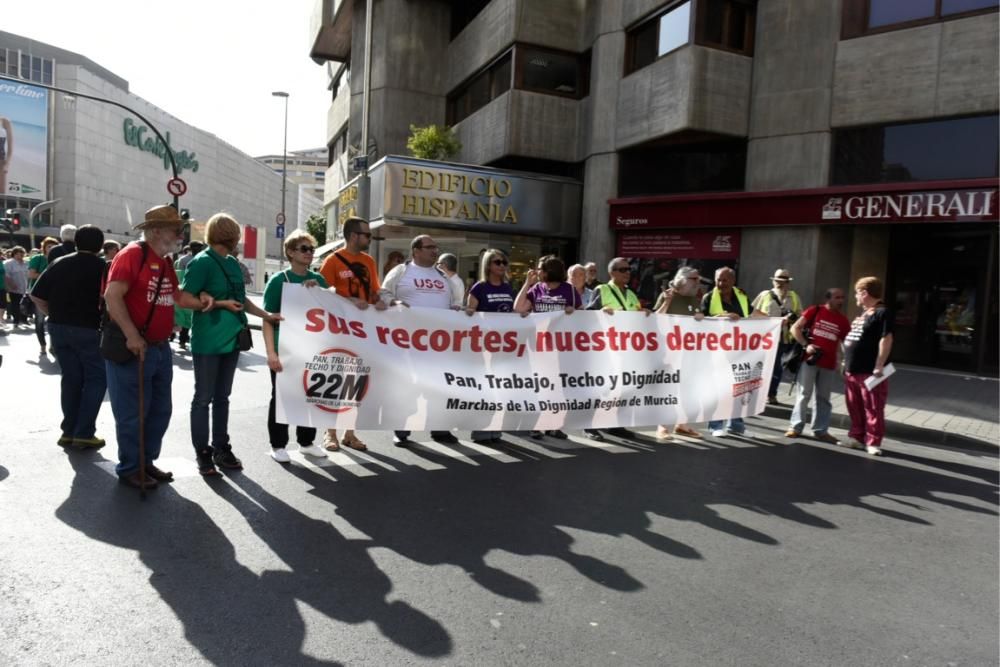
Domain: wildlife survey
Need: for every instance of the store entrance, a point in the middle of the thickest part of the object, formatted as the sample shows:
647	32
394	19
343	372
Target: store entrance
942	286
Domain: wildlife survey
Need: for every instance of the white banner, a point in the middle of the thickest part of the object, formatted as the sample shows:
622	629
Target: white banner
420	369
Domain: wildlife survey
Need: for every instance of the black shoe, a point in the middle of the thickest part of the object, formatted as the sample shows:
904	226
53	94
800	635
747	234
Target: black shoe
444	437
619	432
537	435
206	467
158	474
557	434
226	459
401	438
594	434
133	481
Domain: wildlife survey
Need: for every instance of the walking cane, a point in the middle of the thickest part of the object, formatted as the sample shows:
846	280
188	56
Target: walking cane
142	430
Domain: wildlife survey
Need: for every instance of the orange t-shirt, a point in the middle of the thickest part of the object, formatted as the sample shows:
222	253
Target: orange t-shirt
350	276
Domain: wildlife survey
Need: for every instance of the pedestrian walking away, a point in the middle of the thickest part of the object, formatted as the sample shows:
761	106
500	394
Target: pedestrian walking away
69	293
140	295
820	331
866	352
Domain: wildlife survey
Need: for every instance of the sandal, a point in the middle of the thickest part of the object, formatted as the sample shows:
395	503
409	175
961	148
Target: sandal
684	430
353	442
330	442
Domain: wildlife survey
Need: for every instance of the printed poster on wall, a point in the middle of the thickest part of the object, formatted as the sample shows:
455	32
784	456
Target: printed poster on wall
24	132
421	369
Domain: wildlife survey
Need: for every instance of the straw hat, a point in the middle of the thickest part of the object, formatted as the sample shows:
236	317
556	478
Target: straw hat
163	215
782	276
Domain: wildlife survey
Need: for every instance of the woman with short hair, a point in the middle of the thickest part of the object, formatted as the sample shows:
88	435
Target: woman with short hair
214	340
299	248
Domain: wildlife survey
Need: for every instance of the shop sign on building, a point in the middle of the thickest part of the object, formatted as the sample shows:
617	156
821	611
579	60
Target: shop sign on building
721	244
899	207
472	197
136	135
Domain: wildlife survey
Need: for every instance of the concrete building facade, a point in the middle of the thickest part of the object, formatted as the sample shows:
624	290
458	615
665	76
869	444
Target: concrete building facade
701	129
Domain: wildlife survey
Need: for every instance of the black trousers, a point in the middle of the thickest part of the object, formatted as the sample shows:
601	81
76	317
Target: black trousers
278	433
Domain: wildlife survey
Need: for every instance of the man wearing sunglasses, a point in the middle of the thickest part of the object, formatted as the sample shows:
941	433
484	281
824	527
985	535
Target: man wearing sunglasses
609	297
351	273
419	282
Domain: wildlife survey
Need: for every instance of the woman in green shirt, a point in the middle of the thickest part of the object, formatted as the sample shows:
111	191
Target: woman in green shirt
214	340
299	249
36	265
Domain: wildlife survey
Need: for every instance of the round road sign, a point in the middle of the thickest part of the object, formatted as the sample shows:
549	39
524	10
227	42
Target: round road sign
176	187
280	218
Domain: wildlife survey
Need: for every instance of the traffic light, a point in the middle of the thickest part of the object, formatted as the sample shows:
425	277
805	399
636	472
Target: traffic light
15	222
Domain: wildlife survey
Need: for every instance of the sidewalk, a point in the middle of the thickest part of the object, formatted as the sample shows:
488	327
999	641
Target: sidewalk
927	405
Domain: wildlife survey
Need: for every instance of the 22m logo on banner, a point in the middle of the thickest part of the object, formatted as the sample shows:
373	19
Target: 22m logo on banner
335	380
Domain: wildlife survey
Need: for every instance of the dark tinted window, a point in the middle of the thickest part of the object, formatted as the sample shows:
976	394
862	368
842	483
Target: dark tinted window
700	167
937	150
643	45
546	71
726	23
887	12
658	36
463	12
957	6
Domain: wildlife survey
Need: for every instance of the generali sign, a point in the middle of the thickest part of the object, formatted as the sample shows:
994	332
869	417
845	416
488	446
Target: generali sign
933	202
913	206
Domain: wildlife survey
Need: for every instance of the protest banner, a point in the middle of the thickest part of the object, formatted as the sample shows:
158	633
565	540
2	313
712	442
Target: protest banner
421	369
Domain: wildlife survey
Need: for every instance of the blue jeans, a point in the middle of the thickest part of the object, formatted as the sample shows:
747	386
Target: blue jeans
735	425
213	382
123	388
84	380
820	379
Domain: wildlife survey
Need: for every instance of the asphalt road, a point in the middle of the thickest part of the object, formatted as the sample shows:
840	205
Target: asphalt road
719	552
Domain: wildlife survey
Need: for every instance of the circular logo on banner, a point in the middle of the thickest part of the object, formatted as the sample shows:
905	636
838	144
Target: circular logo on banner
177	187
335	380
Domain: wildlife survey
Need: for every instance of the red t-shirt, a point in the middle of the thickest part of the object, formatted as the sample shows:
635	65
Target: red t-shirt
826	332
142	278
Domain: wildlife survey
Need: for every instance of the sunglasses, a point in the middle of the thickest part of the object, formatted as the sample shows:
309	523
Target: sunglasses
305	248
500	262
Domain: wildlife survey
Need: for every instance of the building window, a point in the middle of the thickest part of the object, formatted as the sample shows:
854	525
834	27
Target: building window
950	149
726	24
658	36
686	162
553	72
342	80
336	148
862	17
463	12
480	90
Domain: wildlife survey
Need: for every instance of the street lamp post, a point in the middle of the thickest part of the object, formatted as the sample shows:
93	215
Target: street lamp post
284	173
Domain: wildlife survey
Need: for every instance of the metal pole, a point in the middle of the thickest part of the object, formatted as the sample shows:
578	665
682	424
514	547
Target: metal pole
364	183
284	176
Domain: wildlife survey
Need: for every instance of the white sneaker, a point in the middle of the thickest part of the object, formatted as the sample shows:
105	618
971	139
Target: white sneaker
312	450
280	455
874	451
718	433
853	444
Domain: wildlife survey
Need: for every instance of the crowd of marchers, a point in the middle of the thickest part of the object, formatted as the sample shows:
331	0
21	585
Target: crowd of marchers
82	289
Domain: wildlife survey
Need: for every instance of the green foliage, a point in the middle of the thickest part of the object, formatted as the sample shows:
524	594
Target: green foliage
316	225
434	142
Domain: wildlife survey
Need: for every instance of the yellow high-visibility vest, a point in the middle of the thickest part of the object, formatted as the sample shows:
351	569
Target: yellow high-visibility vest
715	304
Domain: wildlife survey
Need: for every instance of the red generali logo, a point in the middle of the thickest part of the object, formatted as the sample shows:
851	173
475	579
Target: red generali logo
336	380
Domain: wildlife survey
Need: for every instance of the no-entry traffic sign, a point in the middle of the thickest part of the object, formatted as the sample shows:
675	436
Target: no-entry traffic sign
176	187
280	218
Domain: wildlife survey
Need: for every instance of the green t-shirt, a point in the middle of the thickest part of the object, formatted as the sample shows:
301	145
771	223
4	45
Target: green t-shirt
215	332
38	263
272	291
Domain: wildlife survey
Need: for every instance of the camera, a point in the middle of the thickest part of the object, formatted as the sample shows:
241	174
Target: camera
814	357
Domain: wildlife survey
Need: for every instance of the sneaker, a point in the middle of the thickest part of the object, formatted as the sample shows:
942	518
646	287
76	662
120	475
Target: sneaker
594	434
824	436
718	433
65	440
792	433
537	435
280	455
874	451
663	433
88	443
311	450
773	400
443	437
853	444
226	459
206	467
557	434
401	440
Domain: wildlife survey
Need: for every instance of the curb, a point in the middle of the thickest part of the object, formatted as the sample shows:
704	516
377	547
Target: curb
918	434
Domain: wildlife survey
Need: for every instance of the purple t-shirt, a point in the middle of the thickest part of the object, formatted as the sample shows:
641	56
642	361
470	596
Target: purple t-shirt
544	300
492	298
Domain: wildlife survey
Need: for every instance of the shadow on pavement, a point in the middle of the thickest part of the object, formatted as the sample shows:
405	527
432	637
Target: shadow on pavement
194	570
461	513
